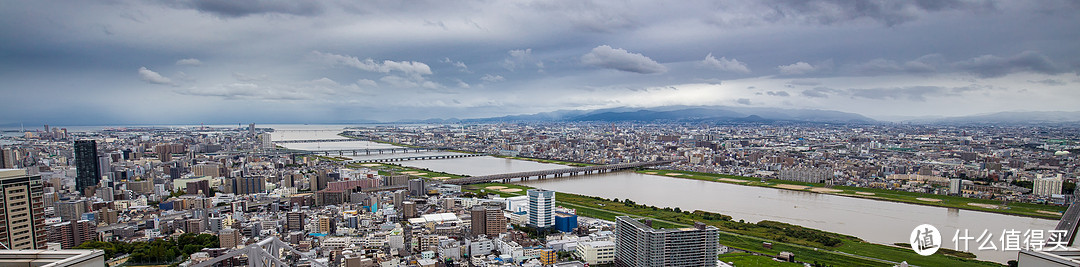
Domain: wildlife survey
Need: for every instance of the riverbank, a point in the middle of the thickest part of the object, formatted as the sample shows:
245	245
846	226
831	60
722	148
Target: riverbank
1012	208
809	245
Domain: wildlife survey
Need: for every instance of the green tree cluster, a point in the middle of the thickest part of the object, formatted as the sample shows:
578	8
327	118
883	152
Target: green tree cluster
157	251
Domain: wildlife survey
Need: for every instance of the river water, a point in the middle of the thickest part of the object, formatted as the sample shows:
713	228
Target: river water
872	220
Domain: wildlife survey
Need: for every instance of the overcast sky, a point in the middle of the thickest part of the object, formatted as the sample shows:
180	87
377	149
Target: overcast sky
228	61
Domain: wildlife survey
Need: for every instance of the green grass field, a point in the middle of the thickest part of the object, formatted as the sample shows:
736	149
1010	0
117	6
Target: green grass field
747	259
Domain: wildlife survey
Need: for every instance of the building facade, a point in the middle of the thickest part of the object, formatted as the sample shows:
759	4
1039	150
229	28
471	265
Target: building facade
639	244
87	171
487	220
23	214
541	208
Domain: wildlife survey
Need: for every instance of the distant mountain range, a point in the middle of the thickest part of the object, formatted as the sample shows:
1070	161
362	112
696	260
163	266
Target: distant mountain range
725	114
713	114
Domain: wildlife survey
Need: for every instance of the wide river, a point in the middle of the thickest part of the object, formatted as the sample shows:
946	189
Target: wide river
872	220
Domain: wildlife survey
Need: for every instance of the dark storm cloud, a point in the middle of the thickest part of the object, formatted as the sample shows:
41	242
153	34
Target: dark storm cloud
996	66
818	92
889	13
241	8
913	93
923	64
778	93
1051	82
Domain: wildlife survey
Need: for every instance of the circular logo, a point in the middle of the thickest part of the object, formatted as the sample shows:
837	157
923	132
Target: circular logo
925	239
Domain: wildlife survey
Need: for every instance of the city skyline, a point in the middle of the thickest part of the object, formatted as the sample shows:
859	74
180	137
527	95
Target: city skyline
268	61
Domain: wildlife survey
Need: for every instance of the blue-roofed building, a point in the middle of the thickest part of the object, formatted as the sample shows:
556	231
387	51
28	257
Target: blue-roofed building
565	222
165	205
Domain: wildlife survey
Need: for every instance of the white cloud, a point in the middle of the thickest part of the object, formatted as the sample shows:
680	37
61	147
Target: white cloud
519	58
366	82
189	62
797	68
401	82
458	64
616	58
724	64
150	76
492	78
407	67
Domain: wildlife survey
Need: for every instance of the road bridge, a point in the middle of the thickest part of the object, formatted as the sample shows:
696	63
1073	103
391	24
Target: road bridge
314	141
427	157
507	177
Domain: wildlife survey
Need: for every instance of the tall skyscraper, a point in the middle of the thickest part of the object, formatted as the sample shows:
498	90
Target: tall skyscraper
638	244
87	171
541	208
23	210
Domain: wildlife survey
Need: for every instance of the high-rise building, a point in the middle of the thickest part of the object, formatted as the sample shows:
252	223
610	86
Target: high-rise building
327	225
71	211
1047	186
541	208
229	238
408	209
23	210
87	171
639	244
198	187
295	221
245	185
417	188
487	220
265	141
7	159
321	179
212	169
72	233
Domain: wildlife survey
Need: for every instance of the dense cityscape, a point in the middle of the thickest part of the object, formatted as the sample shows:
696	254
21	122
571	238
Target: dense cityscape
641	133
354	206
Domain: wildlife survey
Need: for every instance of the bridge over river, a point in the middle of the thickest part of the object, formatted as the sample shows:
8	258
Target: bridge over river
508	177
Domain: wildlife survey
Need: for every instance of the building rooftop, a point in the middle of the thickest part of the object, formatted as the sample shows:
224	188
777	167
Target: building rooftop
52	258
6	173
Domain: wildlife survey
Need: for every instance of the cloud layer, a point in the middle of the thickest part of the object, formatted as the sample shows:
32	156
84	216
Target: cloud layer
340	61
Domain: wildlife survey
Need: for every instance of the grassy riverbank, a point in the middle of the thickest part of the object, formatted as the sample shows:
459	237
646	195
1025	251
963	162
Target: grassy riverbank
809	245
1011	208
